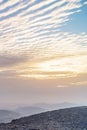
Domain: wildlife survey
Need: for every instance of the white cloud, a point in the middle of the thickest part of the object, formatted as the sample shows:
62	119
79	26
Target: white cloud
85	3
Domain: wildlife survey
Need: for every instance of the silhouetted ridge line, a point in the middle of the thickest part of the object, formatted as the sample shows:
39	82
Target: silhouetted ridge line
64	119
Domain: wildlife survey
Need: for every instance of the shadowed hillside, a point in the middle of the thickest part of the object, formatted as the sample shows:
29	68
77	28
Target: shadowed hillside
64	119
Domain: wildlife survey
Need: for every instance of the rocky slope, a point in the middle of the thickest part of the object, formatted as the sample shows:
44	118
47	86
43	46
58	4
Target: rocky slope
64	119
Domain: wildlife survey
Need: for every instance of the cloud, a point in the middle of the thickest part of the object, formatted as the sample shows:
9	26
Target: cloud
61	86
85	3
8	74
6	61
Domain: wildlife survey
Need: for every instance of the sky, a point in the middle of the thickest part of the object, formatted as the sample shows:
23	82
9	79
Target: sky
43	51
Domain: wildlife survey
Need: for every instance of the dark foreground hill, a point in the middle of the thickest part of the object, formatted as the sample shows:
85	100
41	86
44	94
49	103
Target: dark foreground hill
64	119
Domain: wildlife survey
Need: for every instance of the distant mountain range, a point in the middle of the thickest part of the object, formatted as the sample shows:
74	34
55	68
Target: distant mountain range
29	110
42	107
55	106
64	119
8	115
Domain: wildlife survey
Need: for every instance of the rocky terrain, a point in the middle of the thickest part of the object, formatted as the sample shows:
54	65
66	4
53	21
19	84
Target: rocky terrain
63	119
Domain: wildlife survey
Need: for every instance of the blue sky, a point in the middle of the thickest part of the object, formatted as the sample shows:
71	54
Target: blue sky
78	22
